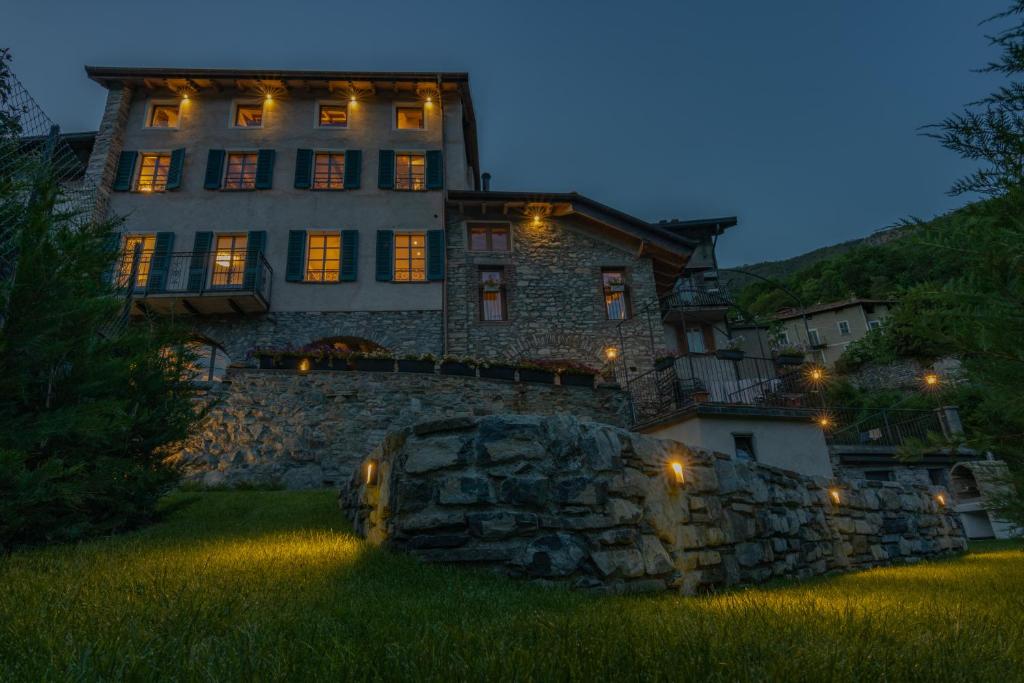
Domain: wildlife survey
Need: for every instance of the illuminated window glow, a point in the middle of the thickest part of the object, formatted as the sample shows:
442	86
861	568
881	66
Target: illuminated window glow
407	118
163	116
492	295
323	258
410	257
241	171
153	173
410	172
148	244
329	171
614	282
333	116
249	115
229	260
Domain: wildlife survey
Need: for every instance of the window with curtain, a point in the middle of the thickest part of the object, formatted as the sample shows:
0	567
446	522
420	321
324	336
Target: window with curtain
229	260
249	115
695	340
241	171
410	172
333	116
153	173
488	237
616	306
493	306
146	245
323	257
163	116
409	118
410	257
329	171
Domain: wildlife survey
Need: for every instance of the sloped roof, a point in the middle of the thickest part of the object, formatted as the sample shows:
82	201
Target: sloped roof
791	313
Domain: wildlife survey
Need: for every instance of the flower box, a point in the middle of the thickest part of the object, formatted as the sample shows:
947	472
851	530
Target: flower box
461	369
789	359
374	364
415	365
279	362
729	354
574	379
330	363
538	376
498	372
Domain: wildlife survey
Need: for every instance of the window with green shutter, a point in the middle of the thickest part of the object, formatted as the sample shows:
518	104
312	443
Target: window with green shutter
199	260
435	170
161	262
214	169
386	169
125	171
175	171
296	255
435	254
257	242
353	169
265	169
303	169
349	255
384	255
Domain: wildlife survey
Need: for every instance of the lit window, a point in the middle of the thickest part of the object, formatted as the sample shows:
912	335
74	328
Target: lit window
153	173
492	295
488	237
615	305
844	327
409	118
333	116
241	171
163	116
329	171
323	257
229	260
248	115
145	245
410	172
744	445
695	340
410	257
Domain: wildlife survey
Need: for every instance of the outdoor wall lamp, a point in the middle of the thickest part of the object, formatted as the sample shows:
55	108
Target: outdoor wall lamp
611	353
834	495
304	366
372	472
940	499
678	478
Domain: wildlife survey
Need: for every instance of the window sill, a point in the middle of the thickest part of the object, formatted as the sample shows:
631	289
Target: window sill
494	322
328	189
237	189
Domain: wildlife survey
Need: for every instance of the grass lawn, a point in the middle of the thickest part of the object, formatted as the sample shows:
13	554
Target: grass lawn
271	586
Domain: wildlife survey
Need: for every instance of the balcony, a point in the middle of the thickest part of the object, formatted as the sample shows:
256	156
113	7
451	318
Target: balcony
199	283
883	428
692	303
693	380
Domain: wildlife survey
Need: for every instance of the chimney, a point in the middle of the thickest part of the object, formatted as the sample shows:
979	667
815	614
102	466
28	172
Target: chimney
486	177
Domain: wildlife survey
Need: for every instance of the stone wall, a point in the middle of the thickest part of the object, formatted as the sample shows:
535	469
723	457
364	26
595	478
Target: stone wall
403	332
107	147
554	291
308	431
905	373
594	506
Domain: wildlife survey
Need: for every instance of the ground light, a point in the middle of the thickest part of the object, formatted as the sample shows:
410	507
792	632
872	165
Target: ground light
941	499
304	366
371	473
678	478
834	494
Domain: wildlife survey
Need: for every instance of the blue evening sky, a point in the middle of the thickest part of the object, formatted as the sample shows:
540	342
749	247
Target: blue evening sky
798	116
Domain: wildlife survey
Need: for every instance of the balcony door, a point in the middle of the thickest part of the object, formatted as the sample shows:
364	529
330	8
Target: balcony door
229	261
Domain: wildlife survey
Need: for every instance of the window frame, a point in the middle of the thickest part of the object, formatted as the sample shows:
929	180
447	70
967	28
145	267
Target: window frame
626	305
305	257
312	175
246	102
230	271
331	103
227	165
394	256
753	446
395	106
502	292
410	152
137	172
874	324
122	278
839	326
813	338
153	104
490	225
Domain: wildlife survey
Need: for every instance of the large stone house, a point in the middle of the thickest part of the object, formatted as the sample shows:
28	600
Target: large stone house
282	208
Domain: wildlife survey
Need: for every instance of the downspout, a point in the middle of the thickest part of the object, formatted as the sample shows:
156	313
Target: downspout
444	219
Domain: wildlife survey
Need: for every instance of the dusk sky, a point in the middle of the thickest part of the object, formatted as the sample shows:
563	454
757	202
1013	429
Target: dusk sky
800	117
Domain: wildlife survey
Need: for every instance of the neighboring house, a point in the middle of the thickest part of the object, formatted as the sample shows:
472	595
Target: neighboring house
825	331
278	209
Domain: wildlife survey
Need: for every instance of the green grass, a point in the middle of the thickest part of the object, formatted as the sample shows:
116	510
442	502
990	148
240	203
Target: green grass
271	586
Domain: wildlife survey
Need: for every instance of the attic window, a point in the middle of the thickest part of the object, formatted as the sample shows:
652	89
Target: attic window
163	116
333	116
409	118
248	116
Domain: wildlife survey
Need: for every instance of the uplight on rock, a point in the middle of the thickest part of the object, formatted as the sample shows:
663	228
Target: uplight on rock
677	473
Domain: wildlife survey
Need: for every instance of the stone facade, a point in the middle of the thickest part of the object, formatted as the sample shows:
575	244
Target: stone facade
402	332
905	373
554	290
593	506
108	144
308	431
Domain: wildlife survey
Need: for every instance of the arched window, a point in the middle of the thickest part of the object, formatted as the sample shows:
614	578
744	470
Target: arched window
209	361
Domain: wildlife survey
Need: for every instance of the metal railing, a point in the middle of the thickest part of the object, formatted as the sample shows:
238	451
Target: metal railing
199	273
889	427
689	298
700	379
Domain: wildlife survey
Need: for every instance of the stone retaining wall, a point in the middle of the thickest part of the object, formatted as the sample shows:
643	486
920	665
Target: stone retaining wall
554	499
308	431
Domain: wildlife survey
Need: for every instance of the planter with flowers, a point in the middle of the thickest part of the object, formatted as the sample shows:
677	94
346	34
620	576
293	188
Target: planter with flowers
573	374
457	365
616	285
373	361
422	363
789	355
731	350
497	369
536	371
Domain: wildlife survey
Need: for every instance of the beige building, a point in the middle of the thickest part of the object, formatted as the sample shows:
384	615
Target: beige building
830	328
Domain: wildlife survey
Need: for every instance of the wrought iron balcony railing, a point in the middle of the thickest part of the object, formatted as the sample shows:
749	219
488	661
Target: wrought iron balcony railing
889	427
198	274
688	298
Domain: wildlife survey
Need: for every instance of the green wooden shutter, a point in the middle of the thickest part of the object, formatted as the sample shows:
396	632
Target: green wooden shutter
435	254
353	169
254	248
125	171
176	168
303	169
160	262
214	169
435	170
199	261
349	255
112	246
386	170
265	169
385	255
296	255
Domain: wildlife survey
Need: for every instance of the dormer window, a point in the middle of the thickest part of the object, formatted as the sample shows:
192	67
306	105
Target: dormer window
248	116
333	116
410	118
163	116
